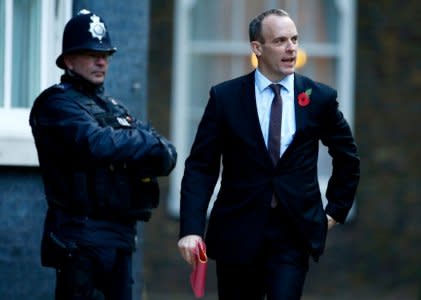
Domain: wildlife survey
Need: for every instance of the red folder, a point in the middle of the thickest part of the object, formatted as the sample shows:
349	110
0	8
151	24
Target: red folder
198	275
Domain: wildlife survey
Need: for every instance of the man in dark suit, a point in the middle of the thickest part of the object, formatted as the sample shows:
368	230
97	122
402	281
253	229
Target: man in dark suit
268	218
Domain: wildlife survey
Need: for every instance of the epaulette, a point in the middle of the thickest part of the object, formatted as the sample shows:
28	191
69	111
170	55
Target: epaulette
62	86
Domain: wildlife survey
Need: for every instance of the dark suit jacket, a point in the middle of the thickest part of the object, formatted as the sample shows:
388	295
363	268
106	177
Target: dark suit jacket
229	133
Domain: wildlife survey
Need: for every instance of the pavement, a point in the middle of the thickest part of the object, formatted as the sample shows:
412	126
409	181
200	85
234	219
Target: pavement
356	295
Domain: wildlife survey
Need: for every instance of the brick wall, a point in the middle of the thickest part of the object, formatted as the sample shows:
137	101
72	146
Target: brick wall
21	217
128	24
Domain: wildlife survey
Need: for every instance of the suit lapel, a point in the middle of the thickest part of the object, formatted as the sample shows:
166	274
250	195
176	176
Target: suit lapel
250	108
299	112
300	118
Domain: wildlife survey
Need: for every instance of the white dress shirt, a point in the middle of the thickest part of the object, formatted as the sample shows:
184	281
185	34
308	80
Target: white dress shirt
264	97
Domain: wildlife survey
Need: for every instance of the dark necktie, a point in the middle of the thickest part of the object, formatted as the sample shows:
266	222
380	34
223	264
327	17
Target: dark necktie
274	139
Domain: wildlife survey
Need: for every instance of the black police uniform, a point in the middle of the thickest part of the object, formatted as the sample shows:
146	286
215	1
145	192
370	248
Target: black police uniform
99	167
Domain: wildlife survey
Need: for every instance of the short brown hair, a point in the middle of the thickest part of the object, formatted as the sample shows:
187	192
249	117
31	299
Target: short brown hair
255	26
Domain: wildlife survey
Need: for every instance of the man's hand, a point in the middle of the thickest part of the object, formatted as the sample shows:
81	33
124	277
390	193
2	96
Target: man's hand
330	222
186	245
171	157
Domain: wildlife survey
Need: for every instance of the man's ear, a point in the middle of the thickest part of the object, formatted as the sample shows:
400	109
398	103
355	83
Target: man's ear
68	61
256	47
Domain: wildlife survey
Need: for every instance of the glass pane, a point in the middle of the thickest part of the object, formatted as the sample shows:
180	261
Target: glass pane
324	163
2	43
322	69
316	20
208	70
26	52
229	19
211	19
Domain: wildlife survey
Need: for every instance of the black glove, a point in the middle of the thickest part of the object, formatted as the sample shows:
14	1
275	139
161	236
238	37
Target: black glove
163	156
170	159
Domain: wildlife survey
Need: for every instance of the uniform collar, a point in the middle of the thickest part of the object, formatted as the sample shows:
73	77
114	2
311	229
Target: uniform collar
81	84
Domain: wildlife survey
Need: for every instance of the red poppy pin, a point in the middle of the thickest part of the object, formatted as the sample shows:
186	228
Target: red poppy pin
304	98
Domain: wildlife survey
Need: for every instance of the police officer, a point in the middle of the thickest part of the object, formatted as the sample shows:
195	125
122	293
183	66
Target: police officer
99	166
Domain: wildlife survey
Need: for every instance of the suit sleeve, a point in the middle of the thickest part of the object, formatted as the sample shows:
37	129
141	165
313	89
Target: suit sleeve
201	172
342	185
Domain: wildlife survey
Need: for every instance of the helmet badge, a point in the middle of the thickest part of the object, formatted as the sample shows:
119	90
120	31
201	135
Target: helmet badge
97	28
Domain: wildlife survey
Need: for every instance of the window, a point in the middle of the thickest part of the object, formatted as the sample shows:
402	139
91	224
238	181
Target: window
30	35
211	45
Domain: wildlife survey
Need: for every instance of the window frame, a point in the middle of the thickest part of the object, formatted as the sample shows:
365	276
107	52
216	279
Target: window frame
17	147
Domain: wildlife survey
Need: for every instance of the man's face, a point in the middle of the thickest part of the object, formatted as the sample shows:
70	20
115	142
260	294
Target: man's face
90	65
278	54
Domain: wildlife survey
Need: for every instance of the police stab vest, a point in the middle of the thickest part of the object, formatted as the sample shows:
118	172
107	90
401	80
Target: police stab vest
114	191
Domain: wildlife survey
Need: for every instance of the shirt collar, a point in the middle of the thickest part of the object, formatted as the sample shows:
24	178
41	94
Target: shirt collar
262	82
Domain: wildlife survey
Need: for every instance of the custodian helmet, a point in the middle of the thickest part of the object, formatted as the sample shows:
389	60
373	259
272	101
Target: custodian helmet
85	31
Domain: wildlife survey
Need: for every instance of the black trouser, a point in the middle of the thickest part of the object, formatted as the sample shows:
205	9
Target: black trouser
96	274
279	271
